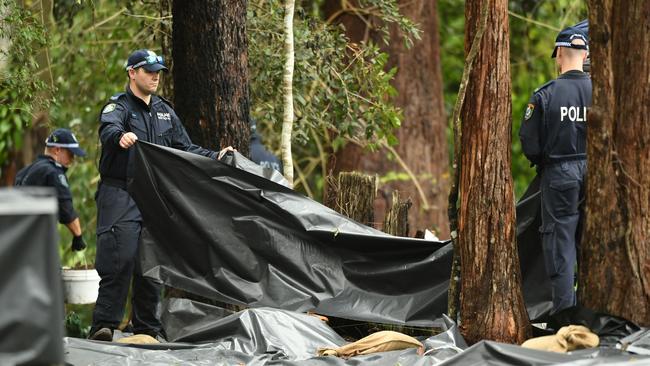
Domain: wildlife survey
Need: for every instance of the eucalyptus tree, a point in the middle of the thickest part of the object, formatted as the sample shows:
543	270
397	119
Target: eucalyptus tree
614	253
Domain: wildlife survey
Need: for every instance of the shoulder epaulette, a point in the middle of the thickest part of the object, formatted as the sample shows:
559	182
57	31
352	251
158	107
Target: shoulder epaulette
164	100
545	86
112	102
117	96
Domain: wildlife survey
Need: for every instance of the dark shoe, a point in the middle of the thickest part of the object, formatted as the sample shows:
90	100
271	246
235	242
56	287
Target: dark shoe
103	334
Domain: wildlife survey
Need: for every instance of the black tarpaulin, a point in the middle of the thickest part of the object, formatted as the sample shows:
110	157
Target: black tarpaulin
252	337
502	354
31	299
536	285
266	336
232	235
610	329
639	342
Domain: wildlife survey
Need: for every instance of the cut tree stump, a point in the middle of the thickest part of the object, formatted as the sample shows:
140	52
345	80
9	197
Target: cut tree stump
396	220
355	196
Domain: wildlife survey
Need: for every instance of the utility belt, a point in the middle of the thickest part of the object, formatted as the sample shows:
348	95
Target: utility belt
562	159
114	182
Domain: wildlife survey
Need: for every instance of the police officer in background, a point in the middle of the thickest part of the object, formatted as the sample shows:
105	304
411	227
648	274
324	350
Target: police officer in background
136	114
49	171
553	137
259	154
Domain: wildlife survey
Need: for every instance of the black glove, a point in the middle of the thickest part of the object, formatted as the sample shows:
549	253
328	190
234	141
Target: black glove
78	243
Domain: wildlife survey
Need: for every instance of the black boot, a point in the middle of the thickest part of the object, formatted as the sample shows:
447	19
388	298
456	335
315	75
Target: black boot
101	334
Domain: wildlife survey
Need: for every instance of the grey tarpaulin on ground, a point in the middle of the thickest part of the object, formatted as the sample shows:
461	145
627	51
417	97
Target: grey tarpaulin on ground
252	337
230	234
31	297
266	336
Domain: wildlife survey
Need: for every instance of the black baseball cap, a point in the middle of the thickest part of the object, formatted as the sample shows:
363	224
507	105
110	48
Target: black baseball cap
62	137
146	59
566	37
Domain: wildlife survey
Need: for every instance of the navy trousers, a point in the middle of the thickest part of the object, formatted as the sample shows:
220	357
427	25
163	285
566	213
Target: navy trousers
118	237
562	191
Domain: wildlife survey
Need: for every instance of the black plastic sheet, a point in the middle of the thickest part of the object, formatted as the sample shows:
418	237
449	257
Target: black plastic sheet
230	234
610	329
253	337
536	285
223	233
638	342
31	297
502	354
266	336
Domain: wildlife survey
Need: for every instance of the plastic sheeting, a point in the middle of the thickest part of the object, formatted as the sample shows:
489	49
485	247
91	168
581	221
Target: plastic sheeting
639	342
230	234
501	354
267	336
536	284
610	329
252	337
31	319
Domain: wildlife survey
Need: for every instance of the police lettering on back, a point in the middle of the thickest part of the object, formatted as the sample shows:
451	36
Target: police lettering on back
574	114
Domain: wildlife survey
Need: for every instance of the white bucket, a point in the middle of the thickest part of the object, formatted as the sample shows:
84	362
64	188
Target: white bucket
80	286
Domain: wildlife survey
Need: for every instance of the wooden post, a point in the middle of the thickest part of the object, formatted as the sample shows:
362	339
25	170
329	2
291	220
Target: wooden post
355	196
396	220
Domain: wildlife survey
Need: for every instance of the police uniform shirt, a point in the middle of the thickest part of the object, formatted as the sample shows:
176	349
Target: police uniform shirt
156	123
554	127
261	156
46	172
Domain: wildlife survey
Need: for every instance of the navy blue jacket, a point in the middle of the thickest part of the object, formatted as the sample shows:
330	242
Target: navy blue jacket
261	156
554	127
156	123
46	172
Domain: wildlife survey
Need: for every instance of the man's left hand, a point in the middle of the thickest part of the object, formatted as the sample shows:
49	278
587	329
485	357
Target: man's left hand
224	151
78	243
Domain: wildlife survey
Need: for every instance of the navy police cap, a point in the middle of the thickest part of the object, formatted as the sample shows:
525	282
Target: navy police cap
62	137
567	36
146	59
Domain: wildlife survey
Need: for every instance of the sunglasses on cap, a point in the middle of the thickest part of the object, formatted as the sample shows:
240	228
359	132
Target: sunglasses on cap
148	60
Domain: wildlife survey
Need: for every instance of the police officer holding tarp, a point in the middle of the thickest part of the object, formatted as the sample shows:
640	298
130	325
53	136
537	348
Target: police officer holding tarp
553	137
49	169
136	114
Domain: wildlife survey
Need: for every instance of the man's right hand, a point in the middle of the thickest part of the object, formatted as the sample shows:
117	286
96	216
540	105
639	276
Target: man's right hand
127	140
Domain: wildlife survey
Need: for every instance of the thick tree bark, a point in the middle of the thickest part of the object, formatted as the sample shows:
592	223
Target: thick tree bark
211	71
355	194
491	303
396	220
422	136
164	36
614	260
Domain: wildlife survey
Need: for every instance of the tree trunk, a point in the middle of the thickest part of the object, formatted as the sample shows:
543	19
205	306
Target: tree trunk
287	88
211	71
491	303
166	42
614	260
422	136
